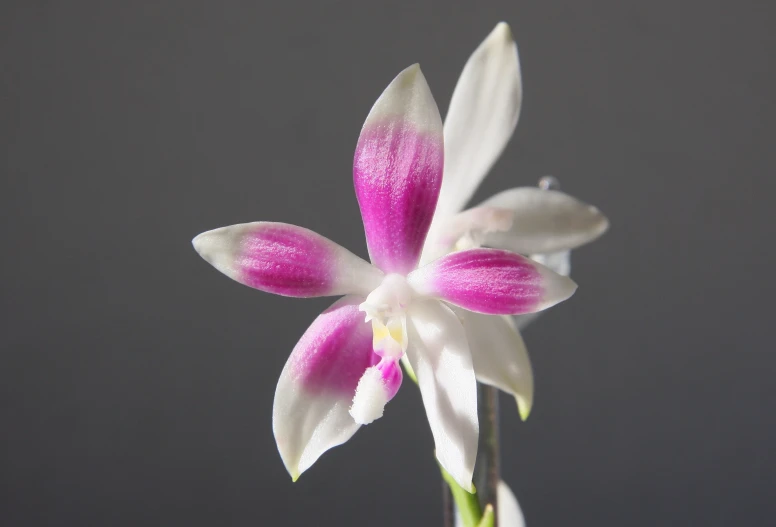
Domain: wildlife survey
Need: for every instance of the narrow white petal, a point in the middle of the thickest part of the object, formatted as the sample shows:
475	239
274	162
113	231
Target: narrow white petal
483	114
440	358
544	221
500	357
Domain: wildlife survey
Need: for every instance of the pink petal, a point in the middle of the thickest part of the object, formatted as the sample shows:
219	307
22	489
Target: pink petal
397	171
493	282
286	260
317	385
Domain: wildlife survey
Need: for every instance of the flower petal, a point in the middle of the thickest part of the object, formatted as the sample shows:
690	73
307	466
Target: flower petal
441	360
317	385
397	171
559	262
500	357
492	281
286	260
482	116
544	221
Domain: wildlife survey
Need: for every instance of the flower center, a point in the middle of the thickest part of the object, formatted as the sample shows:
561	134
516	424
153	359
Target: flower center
385	307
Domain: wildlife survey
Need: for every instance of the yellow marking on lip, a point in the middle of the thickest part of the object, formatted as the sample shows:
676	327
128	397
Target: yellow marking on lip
394	330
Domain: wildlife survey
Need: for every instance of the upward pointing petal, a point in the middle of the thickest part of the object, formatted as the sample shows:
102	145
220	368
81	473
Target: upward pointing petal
397	171
482	116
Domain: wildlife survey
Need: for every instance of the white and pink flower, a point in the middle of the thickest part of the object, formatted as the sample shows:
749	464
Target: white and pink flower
344	370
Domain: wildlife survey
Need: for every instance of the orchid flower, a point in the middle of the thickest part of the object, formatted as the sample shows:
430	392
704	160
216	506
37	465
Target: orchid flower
344	369
543	224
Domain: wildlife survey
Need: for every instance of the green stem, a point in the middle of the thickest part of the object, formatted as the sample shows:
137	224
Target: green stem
468	505
486	469
476	511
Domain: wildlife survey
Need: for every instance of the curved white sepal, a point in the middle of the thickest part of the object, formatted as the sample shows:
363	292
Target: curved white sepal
439	355
544	221
500	357
483	114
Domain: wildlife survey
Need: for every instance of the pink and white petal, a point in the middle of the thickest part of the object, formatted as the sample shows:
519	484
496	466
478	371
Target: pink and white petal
508	514
544	221
397	171
559	262
483	114
500	357
440	358
491	281
317	385
286	260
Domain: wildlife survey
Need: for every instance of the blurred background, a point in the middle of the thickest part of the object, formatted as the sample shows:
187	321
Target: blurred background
136	382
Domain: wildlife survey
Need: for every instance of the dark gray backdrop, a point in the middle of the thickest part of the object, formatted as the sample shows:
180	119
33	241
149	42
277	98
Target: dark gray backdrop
137	383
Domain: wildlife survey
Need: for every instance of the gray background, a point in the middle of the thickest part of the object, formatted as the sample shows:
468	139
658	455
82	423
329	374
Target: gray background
137	383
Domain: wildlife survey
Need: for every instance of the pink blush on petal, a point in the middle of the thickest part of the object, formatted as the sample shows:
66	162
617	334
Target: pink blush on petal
397	174
286	261
483	280
335	351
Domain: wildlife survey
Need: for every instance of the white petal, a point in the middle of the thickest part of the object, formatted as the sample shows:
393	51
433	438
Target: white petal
559	262
509	512
483	114
499	356
440	358
544	221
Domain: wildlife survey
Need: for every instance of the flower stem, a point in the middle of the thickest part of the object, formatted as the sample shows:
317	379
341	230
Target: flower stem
467	504
486	469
